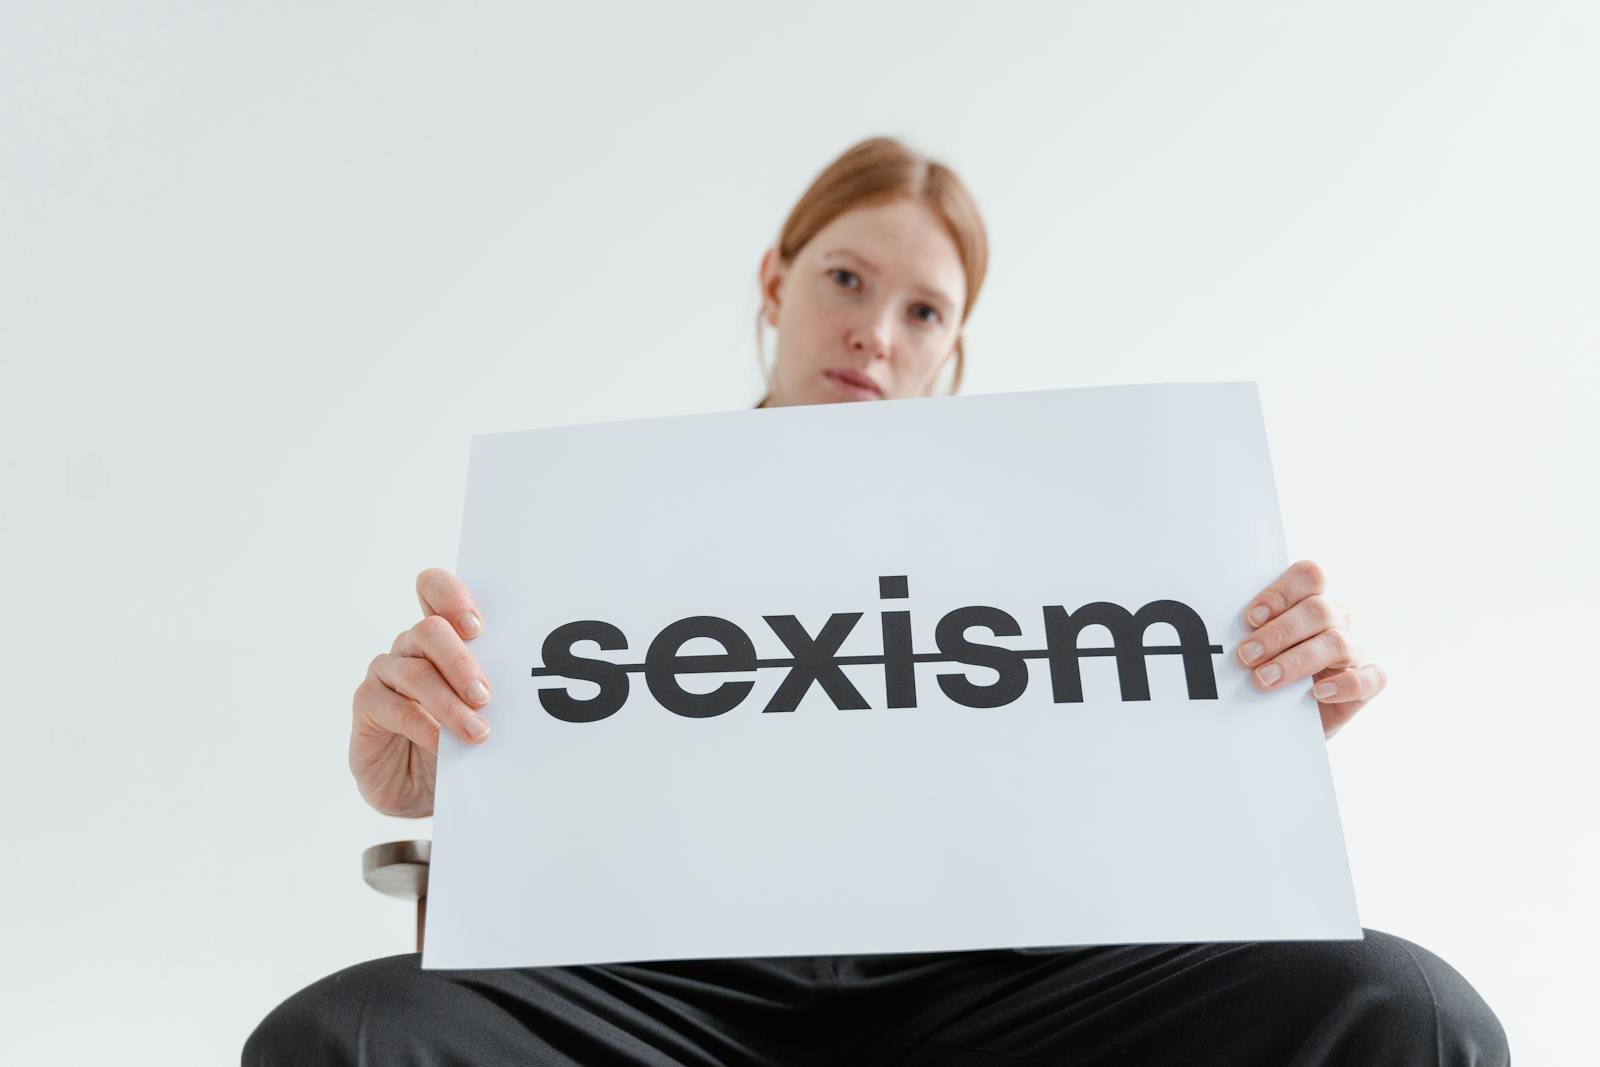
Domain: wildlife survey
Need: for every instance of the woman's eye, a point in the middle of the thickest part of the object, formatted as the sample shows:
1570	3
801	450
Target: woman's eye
933	311
840	270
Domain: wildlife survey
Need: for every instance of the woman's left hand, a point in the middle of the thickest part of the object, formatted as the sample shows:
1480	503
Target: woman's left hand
1296	633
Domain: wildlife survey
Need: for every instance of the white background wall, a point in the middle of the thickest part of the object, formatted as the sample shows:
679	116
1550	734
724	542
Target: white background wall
264	268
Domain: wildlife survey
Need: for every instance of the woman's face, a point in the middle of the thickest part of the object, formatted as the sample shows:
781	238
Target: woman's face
875	296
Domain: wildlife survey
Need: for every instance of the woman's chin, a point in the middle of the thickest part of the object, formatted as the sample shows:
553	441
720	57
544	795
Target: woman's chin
824	395
836	389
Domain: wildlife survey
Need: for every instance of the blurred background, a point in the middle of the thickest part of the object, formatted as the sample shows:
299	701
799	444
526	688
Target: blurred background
265	268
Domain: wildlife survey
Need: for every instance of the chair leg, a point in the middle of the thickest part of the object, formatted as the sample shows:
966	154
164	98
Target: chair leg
422	916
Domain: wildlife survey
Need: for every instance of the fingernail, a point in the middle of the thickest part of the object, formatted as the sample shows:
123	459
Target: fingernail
1258	614
478	693
471	625
1326	689
478	727
1251	651
1270	673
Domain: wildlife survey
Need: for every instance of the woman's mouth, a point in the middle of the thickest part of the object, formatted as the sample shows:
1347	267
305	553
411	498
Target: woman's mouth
853	384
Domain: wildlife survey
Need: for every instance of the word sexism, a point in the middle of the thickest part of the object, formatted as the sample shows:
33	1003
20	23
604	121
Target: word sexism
816	659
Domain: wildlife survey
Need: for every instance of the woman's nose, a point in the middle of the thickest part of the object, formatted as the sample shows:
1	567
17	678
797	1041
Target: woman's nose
873	337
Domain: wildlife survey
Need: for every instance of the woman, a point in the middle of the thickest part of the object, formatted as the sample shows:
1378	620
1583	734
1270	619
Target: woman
873	277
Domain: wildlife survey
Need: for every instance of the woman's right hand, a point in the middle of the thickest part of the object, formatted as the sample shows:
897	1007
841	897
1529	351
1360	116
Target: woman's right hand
425	680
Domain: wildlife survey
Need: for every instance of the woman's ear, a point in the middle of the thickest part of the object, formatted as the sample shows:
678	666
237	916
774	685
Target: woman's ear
770	277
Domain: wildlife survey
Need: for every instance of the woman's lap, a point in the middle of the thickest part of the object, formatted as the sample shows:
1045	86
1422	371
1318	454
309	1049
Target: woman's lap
1375	1001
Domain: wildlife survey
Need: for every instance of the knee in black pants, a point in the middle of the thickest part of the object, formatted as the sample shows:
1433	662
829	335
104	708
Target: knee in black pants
1385	1000
323	1023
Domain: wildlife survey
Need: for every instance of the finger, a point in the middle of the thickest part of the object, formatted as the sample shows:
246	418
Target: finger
1296	583
417	678
1350	684
441	593
1330	648
435	640
1370	680
1305	620
389	711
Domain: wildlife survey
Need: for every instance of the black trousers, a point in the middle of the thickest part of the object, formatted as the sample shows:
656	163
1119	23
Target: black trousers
1381	1000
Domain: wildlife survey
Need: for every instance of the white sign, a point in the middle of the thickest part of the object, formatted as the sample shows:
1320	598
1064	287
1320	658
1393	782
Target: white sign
900	676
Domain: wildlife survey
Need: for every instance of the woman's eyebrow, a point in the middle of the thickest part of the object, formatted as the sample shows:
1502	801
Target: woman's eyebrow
928	290
863	260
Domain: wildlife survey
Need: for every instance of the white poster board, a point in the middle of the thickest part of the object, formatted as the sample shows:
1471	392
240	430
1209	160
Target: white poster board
899	750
